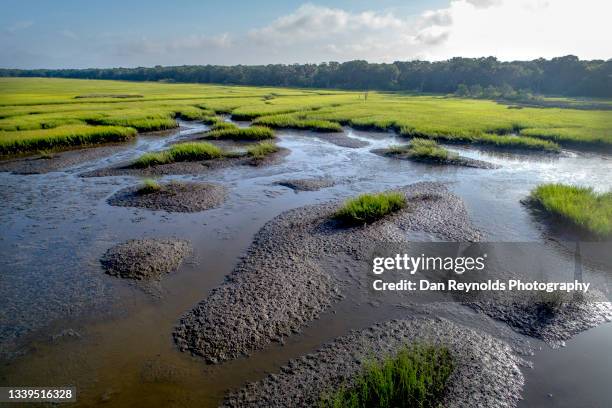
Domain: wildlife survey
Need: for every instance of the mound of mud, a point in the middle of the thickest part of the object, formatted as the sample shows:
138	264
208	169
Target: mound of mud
486	372
145	259
290	273
173	197
307	184
451	161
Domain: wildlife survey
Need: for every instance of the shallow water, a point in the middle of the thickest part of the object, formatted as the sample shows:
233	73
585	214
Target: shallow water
120	351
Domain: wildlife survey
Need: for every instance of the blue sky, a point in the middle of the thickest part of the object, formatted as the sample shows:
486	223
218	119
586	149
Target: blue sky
68	33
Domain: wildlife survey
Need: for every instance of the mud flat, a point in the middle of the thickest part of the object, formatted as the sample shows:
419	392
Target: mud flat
313	184
552	320
486	372
189	167
291	272
451	161
55	161
172	197
145	259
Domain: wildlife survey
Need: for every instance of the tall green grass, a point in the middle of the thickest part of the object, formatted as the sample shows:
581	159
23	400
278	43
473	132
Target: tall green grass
236	133
149	186
415	378
370	207
298	121
191	151
580	206
30	141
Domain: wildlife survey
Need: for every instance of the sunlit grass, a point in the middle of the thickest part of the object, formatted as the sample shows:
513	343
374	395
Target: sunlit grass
46	103
422	149
191	151
370	207
580	206
415	377
63	136
236	133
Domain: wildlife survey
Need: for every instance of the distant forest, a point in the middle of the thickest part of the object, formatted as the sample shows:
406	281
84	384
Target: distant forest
476	77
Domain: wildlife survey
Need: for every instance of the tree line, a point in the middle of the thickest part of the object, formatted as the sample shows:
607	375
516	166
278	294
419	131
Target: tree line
567	76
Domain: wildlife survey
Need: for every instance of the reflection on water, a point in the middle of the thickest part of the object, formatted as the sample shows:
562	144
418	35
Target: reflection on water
115	342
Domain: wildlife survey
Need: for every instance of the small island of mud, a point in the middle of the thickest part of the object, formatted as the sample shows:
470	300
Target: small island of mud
429	151
172	197
190	167
145	259
312	184
290	274
486	371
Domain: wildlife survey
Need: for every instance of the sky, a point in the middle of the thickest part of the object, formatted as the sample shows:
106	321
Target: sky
129	33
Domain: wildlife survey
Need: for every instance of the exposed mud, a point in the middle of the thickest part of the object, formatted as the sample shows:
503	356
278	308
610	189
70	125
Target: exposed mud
145	259
553	319
451	161
290	273
195	167
172	197
486	370
56	161
313	184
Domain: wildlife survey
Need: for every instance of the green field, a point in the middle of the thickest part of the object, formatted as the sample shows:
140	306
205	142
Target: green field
42	113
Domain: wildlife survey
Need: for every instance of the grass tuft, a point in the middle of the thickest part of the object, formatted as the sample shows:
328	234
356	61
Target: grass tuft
416	377
149	186
236	133
580	206
191	151
262	149
370	207
423	149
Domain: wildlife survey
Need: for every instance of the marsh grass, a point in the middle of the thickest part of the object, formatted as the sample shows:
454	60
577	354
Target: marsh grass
30	141
427	149
370	207
236	133
415	378
262	149
298	121
191	151
149	186
580	206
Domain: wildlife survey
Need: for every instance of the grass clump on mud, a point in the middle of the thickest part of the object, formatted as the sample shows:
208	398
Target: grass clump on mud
415	377
262	149
424	149
191	151
149	186
28	141
580	206
298	121
236	133
370	207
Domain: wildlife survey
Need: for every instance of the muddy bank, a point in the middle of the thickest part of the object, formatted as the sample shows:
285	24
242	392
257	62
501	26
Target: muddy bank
313	184
145	259
191	167
553	319
172	197
451	161
486	370
55	161
294	268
